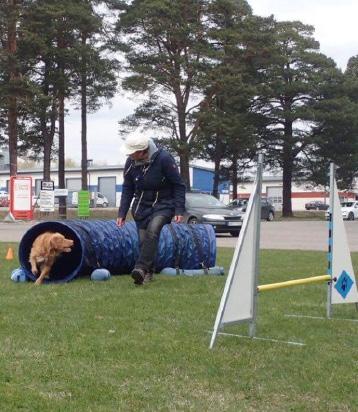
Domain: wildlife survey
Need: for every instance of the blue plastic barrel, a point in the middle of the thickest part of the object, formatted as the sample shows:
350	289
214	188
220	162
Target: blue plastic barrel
102	244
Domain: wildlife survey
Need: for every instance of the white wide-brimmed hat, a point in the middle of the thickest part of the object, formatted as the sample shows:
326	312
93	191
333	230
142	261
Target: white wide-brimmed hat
135	143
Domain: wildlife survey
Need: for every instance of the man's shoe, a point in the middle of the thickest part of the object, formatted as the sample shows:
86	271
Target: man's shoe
138	275
148	277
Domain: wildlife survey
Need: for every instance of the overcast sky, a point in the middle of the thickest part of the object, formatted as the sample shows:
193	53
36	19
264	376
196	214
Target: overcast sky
335	28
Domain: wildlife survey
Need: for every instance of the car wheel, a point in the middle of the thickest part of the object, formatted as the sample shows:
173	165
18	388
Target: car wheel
270	217
192	220
235	233
351	216
105	204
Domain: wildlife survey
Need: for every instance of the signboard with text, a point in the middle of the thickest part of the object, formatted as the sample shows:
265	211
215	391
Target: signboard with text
47	201
50	185
47	196
21	197
83	203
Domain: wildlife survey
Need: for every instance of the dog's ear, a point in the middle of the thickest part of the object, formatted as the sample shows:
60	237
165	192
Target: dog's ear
56	240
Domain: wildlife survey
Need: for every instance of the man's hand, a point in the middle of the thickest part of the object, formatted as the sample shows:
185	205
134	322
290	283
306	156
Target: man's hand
120	221
178	219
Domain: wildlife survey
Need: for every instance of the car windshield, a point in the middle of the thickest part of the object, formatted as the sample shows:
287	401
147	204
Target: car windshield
347	204
202	200
238	202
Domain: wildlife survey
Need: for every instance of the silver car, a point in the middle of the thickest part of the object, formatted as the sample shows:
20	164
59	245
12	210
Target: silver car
205	208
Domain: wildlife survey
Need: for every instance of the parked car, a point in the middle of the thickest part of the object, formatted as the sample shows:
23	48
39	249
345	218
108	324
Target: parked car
267	208
4	199
238	203
205	208
316	205
101	200
349	210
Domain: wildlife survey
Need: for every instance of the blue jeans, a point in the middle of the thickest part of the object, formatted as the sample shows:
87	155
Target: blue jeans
148	242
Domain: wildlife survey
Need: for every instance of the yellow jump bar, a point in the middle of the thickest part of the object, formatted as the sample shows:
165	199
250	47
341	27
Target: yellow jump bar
280	285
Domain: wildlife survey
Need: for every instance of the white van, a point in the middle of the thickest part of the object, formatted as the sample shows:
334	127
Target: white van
101	200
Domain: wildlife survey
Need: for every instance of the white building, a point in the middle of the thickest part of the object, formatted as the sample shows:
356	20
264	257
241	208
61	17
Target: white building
109	179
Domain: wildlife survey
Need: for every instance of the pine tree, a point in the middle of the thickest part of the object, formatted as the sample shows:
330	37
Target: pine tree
292	84
96	73
14	88
336	131
166	52
228	127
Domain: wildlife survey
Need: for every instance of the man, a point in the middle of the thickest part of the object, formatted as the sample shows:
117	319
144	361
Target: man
152	178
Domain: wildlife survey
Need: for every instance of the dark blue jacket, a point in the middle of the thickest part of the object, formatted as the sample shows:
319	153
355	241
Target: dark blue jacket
157	188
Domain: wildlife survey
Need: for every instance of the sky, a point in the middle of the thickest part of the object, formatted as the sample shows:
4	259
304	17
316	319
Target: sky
335	29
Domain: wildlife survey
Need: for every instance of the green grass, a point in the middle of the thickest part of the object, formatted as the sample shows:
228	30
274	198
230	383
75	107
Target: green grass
110	346
303	215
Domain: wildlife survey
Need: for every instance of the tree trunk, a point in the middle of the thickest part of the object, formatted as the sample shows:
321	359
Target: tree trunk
47	152
216	180
84	162
183	139
234	178
12	122
218	155
287	169
287	189
46	132
49	136
184	167
13	79
62	210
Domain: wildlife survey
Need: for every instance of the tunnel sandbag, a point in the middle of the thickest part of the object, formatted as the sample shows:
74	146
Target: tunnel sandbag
213	271
102	244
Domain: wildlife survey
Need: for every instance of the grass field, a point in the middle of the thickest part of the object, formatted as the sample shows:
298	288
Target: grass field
110	346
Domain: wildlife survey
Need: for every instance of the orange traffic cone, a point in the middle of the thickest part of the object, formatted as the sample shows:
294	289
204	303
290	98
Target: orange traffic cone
9	254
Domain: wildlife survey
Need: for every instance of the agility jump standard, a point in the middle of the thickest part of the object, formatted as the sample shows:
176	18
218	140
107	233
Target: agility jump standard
239	300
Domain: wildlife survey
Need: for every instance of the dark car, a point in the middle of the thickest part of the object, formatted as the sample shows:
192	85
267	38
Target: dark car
238	203
316	205
205	208
4	202
4	199
267	209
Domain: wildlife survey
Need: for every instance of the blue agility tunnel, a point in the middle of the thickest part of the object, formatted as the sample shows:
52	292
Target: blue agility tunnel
101	244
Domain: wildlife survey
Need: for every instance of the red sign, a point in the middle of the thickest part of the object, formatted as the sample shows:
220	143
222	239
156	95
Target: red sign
21	197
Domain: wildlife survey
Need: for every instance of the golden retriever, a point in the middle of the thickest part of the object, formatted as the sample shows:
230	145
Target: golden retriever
45	250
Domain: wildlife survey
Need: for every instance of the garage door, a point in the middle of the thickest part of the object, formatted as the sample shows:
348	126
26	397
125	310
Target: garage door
274	195
107	186
73	185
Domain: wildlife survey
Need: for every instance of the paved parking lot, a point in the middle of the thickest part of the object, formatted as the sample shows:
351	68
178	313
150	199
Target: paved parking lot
304	235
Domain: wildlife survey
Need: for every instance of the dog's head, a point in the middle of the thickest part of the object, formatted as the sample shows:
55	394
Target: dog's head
60	243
